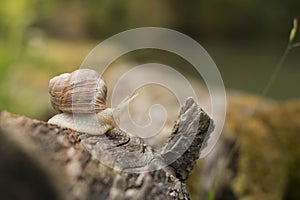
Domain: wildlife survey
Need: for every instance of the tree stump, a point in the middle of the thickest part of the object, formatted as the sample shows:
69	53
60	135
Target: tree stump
43	161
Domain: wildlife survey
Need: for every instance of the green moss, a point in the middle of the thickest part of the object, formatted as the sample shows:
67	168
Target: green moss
268	161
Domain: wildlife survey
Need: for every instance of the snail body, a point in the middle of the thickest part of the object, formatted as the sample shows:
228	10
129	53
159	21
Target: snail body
80	97
95	124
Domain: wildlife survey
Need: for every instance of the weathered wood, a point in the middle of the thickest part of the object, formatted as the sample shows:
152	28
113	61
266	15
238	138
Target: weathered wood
192	129
43	161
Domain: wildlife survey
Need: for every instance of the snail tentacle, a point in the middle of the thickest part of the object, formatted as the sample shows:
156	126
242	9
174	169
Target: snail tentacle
80	96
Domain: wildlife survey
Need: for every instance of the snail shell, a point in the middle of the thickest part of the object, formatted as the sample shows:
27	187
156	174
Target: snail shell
80	96
82	91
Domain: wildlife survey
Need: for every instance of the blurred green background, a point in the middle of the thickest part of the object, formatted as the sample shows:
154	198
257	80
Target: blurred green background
40	39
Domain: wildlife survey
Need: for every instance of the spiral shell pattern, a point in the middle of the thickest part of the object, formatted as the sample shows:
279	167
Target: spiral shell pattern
82	91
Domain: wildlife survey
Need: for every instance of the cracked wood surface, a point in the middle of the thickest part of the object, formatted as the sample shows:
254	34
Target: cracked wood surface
43	161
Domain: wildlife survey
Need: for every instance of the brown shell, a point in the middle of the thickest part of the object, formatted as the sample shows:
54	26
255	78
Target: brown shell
82	91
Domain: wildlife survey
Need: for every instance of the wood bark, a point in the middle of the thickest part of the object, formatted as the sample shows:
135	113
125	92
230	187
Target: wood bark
43	161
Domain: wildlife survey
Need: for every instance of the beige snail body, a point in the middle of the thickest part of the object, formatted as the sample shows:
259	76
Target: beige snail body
80	96
95	124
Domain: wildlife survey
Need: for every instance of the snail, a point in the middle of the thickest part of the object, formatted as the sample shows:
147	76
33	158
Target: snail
80	97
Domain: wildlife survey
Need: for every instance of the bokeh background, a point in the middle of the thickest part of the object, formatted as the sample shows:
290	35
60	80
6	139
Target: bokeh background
40	39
